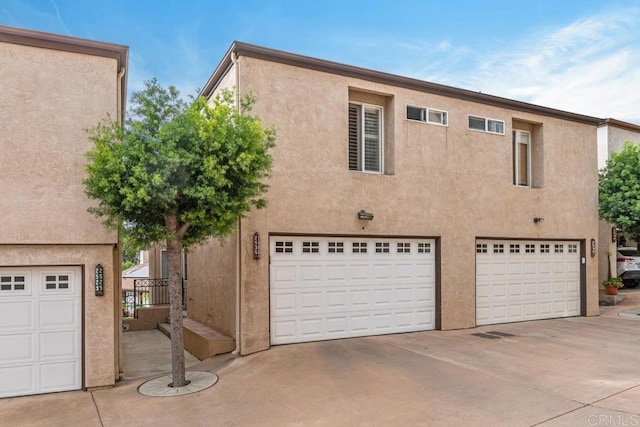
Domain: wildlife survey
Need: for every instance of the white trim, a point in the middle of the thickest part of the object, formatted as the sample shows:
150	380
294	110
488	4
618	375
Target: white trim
426	111
516	171
486	124
361	166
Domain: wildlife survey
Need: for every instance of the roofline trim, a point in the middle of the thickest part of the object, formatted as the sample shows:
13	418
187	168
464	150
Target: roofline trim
267	54
52	41
620	124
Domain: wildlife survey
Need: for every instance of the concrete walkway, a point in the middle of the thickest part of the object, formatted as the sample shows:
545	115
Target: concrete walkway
148	353
565	372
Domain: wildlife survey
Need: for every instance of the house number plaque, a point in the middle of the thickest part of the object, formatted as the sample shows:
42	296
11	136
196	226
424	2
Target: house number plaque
256	245
593	248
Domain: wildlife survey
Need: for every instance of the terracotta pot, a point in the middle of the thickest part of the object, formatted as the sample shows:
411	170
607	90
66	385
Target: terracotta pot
611	290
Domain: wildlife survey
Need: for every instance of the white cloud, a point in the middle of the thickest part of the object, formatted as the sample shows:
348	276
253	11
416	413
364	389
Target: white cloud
591	66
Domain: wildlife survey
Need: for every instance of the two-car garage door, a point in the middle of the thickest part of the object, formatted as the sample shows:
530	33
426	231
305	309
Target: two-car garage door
526	280
337	287
40	330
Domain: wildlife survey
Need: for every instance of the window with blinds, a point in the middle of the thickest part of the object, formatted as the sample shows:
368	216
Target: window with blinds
365	138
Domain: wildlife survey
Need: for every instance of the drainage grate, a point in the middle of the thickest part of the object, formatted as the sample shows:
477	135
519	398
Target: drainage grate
493	335
501	334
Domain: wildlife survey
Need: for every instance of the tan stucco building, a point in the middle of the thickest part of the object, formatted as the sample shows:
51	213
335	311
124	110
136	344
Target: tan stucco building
56	333
399	205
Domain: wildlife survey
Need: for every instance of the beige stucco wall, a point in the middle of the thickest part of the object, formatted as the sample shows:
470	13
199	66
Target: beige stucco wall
99	337
49	98
449	182
211	290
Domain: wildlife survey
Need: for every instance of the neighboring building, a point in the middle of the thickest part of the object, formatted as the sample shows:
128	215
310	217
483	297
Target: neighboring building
484	209
55	333
612	134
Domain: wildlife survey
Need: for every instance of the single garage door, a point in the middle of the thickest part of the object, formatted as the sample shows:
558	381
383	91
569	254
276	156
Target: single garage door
40	330
526	280
335	287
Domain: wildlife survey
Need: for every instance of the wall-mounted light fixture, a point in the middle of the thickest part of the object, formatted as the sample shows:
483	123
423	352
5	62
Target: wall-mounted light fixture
537	219
367	216
99	281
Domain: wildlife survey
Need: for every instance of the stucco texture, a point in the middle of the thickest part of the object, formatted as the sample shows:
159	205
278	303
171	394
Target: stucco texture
49	98
446	182
99	337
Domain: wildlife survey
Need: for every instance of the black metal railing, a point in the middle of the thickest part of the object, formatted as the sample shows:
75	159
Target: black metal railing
147	293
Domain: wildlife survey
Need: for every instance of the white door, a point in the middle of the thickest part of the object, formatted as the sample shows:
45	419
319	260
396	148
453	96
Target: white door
526	280
40	330
336	287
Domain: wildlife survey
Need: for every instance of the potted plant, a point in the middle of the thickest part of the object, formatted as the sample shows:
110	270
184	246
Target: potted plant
611	285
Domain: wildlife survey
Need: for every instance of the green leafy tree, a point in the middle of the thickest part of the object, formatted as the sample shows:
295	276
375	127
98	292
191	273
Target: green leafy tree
619	183
178	173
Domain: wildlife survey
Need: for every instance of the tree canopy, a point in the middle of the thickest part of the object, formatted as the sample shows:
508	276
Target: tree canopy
178	173
203	162
619	184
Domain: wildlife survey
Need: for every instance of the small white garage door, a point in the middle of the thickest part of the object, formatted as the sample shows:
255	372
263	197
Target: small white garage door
335	287
526	280
40	330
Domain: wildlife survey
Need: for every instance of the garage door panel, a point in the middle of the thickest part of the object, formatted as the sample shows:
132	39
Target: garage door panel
17	380
58	344
58	376
40	330
57	313
16	348
543	281
16	314
389	288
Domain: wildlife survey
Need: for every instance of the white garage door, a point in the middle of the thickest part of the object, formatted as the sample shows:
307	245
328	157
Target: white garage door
526	280
40	330
334	287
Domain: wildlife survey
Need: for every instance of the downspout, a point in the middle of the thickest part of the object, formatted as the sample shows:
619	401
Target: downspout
237	351
119	373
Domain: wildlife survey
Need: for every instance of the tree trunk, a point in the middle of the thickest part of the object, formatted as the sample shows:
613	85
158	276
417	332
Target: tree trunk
174	258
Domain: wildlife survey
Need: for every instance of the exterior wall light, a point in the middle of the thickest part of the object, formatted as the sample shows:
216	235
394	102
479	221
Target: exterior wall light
99	281
537	220
367	216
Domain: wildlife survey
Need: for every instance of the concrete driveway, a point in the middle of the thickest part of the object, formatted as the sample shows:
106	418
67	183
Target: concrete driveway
566	372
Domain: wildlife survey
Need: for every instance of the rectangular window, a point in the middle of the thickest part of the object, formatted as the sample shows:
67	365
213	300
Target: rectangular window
382	248
486	125
284	247
544	249
403	248
514	249
359	247
559	249
481	248
498	249
530	249
427	115
424	248
336	247
521	158
573	249
365	138
310	247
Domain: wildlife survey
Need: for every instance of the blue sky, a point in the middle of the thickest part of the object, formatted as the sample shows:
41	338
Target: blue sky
577	55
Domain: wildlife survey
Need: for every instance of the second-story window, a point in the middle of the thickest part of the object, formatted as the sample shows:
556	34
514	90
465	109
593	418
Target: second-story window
484	124
366	138
521	158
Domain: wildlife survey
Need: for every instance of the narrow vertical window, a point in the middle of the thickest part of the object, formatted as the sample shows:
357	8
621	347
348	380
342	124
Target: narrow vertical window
365	138
521	158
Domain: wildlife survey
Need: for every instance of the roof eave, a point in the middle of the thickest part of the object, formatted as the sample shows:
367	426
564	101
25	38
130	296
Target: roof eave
258	52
